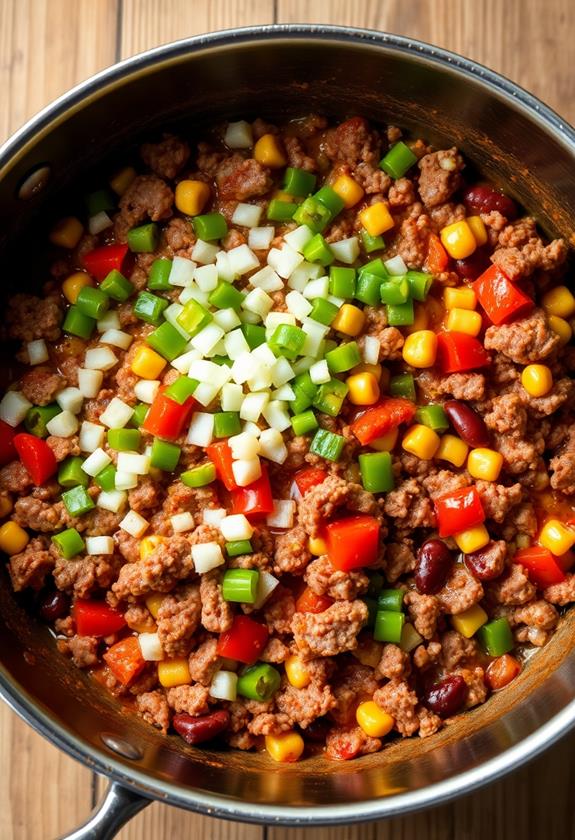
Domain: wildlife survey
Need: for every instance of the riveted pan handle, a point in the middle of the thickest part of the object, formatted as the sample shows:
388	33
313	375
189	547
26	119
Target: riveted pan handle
117	807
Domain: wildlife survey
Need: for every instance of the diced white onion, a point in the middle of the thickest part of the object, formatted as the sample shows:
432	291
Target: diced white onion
37	351
207	556
205	394
182	522
274	319
171	314
264	354
14	407
267	279
90	382
96	462
396	266
266	585
244	445
193	292
146	390
134	524
99	545
276	415
99	222
304	363
253	405
317	288
282	515
100	358
70	399
260	238
232	397
204	252
207	338
298	238
64	424
206	277
236	527
246	471
91	436
224	267
117	414
273	446
213	516
298	305
235	344
284	392
182	363
314	335
346	250
201	431
150	647
257	301
239	135
242	368
125	480
117	338
113	500
319	372
371	346
284	260
109	321
224	686
133	462
227	319
248	317
247	215
337	301
250	428
303	273
261	378
182	272
410	638
209	372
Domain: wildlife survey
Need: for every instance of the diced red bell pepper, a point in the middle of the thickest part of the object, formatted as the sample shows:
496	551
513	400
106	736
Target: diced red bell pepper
308	478
125	660
166	418
310	602
7	449
459	511
499	297
352	542
221	455
96	618
255	499
386	415
244	641
36	456
566	561
437	258
101	261
457	352
542	567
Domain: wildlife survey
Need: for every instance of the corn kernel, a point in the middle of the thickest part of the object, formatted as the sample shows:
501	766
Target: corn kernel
376	218
462	297
192	197
468	622
464	321
13	538
67	232
281	195
374	721
556	537
122	179
561	327
147	363
452	449
559	301
364	367
6	506
537	380
458	240
285	747
172	672
348	190
296	672
317	546
349	320
149	544
268	152
478	229
154	602
74	283
385	443
473	539
420	349
420	319
363	389
421	441
485	464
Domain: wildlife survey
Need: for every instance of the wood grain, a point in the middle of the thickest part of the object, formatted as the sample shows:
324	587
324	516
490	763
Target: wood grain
48	45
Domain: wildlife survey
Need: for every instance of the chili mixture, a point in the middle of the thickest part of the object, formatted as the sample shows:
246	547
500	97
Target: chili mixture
291	459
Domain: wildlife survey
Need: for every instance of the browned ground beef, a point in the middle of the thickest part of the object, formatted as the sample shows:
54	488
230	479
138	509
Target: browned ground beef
317	619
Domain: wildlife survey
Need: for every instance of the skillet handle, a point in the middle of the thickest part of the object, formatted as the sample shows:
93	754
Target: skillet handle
117	807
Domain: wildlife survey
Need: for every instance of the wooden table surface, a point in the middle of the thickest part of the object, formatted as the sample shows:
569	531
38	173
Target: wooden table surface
46	46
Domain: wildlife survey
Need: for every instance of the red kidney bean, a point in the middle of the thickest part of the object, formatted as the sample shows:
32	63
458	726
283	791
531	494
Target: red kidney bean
447	696
434	563
471	267
196	730
482	198
467	423
54	605
487	563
